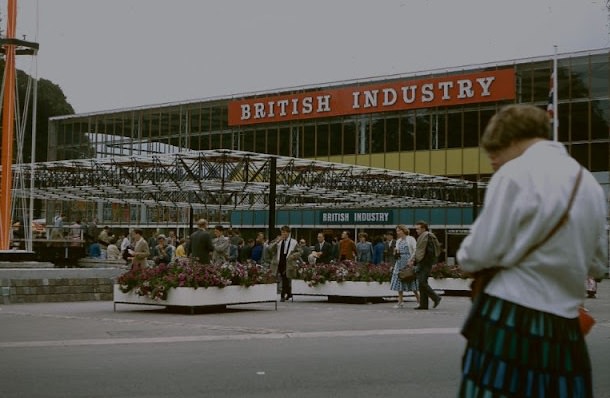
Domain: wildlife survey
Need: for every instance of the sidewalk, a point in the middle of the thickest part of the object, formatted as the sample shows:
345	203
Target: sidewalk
246	350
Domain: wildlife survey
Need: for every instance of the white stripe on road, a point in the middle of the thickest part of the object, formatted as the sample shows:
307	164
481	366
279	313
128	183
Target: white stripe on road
232	337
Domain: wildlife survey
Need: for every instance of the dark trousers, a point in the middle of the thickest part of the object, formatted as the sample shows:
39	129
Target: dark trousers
285	283
425	291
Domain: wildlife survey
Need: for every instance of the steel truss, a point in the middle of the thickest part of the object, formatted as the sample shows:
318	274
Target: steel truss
226	179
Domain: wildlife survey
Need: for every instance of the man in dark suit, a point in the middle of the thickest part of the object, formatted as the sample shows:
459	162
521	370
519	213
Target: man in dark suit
322	251
200	245
389	246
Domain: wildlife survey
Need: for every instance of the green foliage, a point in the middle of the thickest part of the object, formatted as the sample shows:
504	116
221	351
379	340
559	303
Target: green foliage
51	102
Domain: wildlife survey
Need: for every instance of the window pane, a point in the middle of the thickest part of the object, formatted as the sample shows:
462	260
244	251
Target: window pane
407	132
580	121
579	78
600	157
454	133
308	141
599	119
541	75
423	128
260	141
600	83
471	128
486	115
247	141
378	135
272	141
322	136
285	138
564	122
335	139
392	130
580	152
350	129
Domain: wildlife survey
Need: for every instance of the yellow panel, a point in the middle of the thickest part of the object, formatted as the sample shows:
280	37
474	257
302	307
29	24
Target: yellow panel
392	161
484	162
363	160
422	162
438	165
348	159
379	160
335	159
471	160
454	162
407	161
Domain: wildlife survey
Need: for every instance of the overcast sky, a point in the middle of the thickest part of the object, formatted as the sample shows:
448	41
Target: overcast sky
108	54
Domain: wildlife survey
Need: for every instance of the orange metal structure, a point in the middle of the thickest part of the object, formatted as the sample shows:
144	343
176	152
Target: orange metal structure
8	123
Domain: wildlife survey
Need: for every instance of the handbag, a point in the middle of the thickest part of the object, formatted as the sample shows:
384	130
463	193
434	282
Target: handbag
407	274
585	320
482	278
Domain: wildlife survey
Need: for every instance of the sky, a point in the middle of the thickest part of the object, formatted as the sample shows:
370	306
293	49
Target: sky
111	54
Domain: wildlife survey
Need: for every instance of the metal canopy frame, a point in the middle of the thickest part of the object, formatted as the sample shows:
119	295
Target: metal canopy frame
227	179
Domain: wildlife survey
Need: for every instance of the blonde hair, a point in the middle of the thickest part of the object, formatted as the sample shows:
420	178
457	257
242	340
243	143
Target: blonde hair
403	228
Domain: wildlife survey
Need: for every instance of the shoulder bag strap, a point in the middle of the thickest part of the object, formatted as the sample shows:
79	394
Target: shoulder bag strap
562	220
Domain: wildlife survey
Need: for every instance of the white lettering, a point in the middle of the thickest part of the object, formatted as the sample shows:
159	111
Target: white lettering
370	98
270	112
259	110
465	89
323	103
389	96
283	104
356	97
295	105
427	93
485	83
307	105
445	86
245	112
405	94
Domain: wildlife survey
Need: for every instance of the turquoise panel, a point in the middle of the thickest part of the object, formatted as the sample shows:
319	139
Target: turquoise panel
423	215
261	217
405	216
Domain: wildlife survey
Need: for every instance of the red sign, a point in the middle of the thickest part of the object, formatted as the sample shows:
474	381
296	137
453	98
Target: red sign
496	85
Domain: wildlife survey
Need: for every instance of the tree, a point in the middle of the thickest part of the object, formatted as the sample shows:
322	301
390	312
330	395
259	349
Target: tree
51	102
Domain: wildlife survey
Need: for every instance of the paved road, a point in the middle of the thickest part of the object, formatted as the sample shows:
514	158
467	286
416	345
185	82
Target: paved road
307	348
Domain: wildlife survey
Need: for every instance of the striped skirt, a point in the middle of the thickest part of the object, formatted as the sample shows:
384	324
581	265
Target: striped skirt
514	351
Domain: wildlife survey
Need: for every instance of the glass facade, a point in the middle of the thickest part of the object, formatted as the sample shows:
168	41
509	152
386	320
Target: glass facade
438	141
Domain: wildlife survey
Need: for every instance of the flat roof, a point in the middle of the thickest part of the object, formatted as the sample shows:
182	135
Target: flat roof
236	180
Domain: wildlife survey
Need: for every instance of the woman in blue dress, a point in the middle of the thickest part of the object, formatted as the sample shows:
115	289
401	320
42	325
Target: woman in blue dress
405	249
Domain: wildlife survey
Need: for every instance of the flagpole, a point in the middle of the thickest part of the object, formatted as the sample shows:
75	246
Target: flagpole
555	103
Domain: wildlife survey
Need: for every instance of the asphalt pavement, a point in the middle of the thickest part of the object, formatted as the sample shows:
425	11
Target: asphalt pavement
305	348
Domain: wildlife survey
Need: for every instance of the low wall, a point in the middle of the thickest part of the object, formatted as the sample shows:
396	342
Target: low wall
18	285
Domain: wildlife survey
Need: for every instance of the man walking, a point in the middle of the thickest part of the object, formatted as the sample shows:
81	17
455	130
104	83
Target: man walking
286	252
424	260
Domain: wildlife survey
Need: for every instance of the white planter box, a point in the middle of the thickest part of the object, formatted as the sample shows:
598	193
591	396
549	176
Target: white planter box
200	297
450	284
371	289
345	289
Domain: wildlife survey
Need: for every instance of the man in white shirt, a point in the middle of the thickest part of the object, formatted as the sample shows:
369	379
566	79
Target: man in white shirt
534	300
286	252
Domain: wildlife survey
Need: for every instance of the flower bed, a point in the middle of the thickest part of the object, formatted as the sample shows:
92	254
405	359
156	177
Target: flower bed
350	271
344	271
155	282
187	283
351	279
